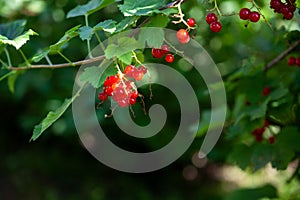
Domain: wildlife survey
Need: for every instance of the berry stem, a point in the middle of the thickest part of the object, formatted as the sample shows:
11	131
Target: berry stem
136	58
5	66
25	58
217	8
282	56
99	40
176	50
48	60
263	16
180	15
64	57
88	41
8	57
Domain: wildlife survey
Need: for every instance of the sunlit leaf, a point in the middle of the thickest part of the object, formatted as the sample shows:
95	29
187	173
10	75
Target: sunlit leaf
89	8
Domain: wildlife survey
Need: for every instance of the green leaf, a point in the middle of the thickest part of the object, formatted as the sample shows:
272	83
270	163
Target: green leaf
92	75
262	155
126	58
107	26
240	156
12	80
158	21
153	40
13	29
40	55
86	33
89	8
253	193
73	32
7	75
52	117
125	23
19	41
141	7
123	46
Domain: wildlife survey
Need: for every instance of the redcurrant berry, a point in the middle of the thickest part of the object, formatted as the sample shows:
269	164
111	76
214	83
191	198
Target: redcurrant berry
102	96
244	13
271	139
292	61
254	16
298	61
142	69
138	75
108	90
164	49
191	22
211	17
216	26
123	103
169	58
183	36
129	70
266	91
157	53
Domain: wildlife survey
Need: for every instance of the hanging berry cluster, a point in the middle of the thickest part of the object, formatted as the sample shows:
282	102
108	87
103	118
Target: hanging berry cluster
164	50
258	133
293	61
247	14
286	9
183	35
121	87
213	21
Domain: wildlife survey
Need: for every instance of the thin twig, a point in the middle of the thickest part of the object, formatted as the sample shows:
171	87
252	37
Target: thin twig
63	65
282	55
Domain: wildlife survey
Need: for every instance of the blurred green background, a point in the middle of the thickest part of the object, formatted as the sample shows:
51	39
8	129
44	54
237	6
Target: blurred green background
57	166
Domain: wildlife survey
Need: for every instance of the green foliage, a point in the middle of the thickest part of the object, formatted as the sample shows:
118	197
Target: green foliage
89	8
253	194
240	53
52	117
124	44
139	8
92	76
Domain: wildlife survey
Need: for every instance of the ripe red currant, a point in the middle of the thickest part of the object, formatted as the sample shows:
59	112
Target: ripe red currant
244	13
183	36
123	103
138	75
169	58
271	139
164	49
102	96
129	70
298	61
211	17
216	26
266	123
292	61
142	69
157	53
266	91
191	22
110	80
254	16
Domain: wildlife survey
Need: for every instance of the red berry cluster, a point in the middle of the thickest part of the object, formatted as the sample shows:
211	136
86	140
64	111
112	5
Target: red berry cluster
286	9
293	61
121	88
247	14
164	50
258	133
183	34
214	24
